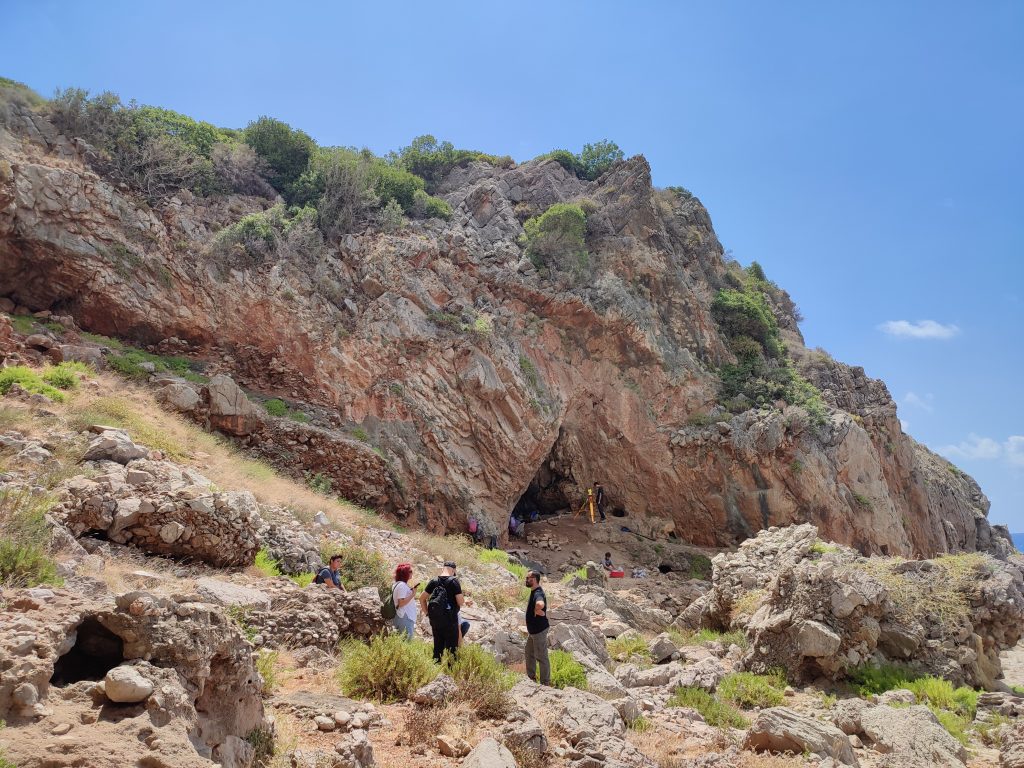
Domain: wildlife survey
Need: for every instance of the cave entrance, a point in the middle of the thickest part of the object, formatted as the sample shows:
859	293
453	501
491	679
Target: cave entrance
619	512
96	651
549	493
665	568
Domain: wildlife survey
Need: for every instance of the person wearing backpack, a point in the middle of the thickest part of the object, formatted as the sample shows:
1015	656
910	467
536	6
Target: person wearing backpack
441	600
401	609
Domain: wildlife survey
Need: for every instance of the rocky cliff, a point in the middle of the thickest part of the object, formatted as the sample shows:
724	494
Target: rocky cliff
445	374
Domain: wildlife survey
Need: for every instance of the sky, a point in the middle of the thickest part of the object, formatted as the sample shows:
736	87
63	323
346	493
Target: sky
869	155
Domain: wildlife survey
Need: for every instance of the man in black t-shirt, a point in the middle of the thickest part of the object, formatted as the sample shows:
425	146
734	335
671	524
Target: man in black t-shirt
537	627
442	610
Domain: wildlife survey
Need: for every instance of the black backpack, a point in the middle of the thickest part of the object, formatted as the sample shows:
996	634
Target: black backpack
439	610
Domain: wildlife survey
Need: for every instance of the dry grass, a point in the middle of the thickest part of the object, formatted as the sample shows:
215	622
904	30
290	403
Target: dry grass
135	410
946	596
748	603
128	571
288	731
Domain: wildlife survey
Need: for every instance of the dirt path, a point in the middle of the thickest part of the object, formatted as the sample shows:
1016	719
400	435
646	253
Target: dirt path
1013	665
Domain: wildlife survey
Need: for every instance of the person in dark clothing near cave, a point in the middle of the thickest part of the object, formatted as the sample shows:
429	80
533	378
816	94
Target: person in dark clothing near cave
441	600
599	492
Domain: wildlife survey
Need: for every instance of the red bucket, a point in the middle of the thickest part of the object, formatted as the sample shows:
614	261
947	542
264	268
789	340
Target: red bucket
616	574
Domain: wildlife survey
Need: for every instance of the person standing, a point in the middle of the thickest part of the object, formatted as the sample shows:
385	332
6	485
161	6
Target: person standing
537	627
404	596
441	600
599	492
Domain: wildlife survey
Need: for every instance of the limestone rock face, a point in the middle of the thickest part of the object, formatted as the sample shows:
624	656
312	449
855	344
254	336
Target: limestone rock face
460	359
911	737
316	616
179	671
820	609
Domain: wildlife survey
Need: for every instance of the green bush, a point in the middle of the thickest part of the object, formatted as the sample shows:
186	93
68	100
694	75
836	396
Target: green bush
320	483
30	380
556	237
279	233
276	407
591	162
285	151
266	564
701	636
483	681
747	690
128	362
872	679
389	668
714	711
432	160
746	314
566	672
579	573
60	377
428	207
302	579
24	540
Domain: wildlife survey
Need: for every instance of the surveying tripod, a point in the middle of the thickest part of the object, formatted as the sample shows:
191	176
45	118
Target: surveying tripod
588	503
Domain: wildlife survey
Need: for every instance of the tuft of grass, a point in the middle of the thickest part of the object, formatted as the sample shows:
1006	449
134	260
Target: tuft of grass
821	548
641	725
266	661
483	682
745	689
128	362
702	636
266	564
119	412
387	669
871	679
939	693
627	647
580	573
29	379
502	558
503	598
714	711
955	724
320	483
67	375
302	579
276	407
25	560
103	341
566	672
240	616
748	602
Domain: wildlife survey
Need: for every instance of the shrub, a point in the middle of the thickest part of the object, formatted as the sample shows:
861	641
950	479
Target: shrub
641	725
24	540
341	184
302	579
30	380
878	678
391	183
238	168
285	151
746	314
266	564
61	378
566	672
939	693
503	598
555	238
432	160
597	158
320	483
627	646
746	689
265	661
391	218
387	669
483	681
714	711
276	407
128	362
580	573
426	206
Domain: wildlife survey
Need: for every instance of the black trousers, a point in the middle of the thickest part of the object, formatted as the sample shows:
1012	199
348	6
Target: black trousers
446	638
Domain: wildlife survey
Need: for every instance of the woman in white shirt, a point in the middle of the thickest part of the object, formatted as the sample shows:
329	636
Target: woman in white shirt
406	606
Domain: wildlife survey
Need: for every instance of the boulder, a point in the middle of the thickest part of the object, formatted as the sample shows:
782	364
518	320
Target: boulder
780	729
179	396
231	410
911	736
1011	753
436	692
114	445
227	593
124	685
489	754
662	648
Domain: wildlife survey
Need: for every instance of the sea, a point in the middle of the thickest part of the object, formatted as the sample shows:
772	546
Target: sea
1018	541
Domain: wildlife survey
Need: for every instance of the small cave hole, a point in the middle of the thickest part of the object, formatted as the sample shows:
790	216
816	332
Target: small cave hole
96	651
664	568
619	512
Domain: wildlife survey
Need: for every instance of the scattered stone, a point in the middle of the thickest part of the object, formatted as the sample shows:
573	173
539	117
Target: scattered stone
780	729
124	685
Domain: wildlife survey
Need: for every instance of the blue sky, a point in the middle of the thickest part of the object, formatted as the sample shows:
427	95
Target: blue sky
870	155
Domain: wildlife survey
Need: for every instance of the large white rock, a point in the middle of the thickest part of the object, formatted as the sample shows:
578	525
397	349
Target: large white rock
125	685
780	729
489	754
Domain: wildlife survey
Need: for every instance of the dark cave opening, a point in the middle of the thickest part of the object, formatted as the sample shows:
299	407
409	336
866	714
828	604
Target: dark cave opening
619	512
665	568
547	494
96	651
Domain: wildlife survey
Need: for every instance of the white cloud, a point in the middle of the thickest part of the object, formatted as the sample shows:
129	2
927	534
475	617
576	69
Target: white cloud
974	447
1014	448
915	400
922	329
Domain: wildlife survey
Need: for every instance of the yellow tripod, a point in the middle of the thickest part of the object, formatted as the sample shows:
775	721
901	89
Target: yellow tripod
589	503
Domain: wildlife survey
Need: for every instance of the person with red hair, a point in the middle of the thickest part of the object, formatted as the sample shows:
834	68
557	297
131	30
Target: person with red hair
404	595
